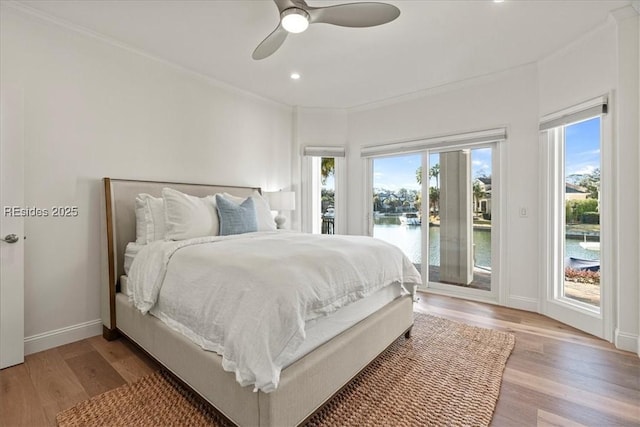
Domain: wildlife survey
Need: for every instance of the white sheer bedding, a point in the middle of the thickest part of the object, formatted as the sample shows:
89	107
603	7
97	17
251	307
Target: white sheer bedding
130	253
248	297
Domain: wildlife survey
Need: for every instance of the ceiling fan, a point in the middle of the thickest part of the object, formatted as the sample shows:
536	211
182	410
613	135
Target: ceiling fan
296	15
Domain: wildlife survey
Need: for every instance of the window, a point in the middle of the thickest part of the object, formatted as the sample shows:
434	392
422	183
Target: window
323	207
437	199
573	235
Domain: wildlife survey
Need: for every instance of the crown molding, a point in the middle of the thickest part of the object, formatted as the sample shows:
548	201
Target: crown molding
626	12
43	16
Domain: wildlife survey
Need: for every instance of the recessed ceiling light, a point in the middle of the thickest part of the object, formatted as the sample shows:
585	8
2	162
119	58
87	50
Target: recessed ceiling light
295	76
498	1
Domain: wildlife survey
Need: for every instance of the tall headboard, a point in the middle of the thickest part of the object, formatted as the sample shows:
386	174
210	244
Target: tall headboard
119	203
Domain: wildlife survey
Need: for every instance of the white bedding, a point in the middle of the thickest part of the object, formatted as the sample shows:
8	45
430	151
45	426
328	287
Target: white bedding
248	297
130	253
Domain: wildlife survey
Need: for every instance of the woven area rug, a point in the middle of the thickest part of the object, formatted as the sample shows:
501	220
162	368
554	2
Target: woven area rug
447	373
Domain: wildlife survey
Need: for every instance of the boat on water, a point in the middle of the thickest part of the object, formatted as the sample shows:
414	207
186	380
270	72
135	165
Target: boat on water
582	264
409	218
590	246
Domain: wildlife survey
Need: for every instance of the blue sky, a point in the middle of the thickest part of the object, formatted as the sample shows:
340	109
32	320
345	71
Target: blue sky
582	147
582	157
393	173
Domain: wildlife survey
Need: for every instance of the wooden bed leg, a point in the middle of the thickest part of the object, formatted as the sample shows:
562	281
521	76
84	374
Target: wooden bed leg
110	334
407	334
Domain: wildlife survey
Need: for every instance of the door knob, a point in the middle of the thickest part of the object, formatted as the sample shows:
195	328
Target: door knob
10	238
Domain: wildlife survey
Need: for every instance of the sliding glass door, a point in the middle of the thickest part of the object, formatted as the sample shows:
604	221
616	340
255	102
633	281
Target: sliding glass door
460	218
397	200
439	206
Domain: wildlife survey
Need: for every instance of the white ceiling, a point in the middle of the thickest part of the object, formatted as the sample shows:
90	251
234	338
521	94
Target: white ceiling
432	42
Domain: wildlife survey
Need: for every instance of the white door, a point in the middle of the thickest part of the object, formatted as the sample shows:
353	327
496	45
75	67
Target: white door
11	227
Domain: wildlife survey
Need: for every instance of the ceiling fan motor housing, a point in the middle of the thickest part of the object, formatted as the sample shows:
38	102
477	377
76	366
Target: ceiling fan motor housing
294	19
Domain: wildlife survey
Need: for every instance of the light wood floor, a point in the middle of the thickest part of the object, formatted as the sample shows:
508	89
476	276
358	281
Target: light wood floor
556	375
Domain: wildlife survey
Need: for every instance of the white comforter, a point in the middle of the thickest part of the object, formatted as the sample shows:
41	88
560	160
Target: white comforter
247	297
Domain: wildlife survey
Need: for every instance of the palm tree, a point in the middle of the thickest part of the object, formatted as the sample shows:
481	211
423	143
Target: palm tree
434	172
434	198
377	203
327	168
478	193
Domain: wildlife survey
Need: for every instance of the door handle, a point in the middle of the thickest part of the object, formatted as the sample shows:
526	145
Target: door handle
10	238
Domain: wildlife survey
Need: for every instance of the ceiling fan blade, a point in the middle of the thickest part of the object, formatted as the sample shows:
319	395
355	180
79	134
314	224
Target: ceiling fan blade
284	4
367	14
271	43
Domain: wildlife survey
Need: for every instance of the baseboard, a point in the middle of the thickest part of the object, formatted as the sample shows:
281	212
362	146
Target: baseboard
626	341
62	336
523	303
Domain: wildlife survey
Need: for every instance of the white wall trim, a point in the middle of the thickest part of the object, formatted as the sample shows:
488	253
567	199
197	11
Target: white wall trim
572	45
435	90
630	11
340	202
523	303
627	341
62	336
478	297
449	142
113	42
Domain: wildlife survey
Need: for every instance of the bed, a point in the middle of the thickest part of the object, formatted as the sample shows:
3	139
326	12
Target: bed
304	385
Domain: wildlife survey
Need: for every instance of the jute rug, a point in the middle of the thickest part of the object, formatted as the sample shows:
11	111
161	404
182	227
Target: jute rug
446	374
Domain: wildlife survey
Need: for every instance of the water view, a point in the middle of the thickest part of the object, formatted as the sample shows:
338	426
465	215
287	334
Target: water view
408	238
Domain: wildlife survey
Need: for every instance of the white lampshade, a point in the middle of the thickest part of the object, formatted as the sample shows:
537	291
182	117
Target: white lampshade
282	200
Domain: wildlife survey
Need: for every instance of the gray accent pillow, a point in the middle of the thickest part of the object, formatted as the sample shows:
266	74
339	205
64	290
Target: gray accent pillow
234	218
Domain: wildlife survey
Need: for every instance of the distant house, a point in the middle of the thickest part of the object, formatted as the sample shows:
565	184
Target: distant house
483	204
575	192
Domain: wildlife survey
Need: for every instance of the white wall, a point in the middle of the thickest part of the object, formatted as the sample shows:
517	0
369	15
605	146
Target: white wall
627	202
93	110
604	61
636	5
321	127
507	99
627	334
318	127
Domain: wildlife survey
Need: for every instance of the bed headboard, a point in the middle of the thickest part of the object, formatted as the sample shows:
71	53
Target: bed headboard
119	203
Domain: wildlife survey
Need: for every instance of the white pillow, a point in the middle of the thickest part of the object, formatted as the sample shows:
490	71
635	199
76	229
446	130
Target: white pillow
157	222
141	219
149	218
189	216
263	211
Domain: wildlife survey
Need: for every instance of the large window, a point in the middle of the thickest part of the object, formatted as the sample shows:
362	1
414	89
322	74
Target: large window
574	224
323	207
439	203
582	212
327	215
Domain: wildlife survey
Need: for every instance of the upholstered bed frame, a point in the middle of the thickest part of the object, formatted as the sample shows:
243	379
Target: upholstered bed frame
304	386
